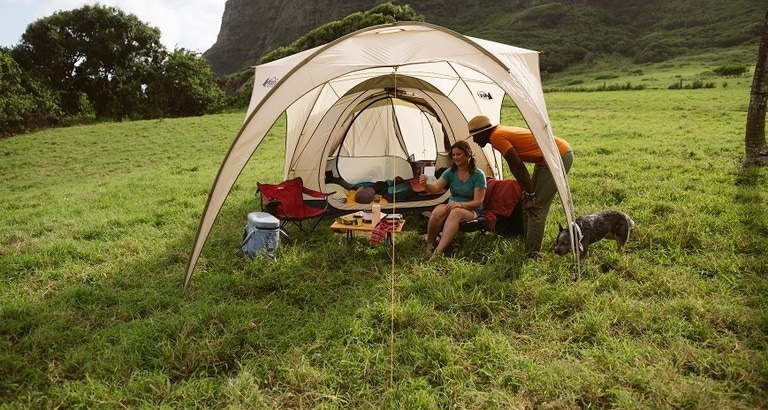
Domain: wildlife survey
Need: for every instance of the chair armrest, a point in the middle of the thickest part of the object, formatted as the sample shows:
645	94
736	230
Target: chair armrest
316	194
272	206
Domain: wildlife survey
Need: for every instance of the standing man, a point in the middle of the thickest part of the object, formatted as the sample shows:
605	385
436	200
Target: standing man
517	145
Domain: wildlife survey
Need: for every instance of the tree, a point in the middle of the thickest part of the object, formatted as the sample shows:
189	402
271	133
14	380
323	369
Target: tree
185	86
24	103
754	138
381	14
96	51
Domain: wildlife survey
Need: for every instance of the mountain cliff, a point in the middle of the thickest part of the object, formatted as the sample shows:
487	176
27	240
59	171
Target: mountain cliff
569	31
251	28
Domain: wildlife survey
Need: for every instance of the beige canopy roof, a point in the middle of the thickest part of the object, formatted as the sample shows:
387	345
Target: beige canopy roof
321	91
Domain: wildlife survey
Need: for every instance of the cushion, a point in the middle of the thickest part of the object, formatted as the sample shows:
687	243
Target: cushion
340	192
364	195
416	186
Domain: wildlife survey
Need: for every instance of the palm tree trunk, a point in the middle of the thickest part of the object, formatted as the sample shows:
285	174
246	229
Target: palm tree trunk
754	138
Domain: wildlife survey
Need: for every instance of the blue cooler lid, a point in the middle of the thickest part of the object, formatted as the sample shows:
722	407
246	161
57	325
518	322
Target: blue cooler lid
263	220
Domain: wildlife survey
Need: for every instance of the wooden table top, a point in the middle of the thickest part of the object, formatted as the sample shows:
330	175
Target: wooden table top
362	227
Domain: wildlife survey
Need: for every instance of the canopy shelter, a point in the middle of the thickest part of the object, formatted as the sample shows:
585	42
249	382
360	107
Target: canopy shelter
365	105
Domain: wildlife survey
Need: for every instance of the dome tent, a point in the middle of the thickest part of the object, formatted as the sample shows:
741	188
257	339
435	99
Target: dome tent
429	81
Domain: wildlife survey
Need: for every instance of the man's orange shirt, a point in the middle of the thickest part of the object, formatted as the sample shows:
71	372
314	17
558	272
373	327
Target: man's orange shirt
504	137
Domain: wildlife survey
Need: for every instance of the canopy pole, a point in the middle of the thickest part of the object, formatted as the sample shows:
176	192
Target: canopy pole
392	274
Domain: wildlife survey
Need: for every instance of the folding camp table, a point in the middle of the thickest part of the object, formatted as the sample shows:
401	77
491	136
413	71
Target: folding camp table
349	231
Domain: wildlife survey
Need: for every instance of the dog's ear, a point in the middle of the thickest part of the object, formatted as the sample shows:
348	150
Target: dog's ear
560	226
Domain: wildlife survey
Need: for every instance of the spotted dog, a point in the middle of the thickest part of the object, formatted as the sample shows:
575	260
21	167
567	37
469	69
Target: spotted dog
608	224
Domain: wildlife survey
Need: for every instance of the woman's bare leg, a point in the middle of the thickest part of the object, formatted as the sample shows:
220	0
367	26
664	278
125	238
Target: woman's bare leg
435	224
451	228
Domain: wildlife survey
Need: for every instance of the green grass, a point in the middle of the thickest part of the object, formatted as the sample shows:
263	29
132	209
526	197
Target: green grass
613	71
98	221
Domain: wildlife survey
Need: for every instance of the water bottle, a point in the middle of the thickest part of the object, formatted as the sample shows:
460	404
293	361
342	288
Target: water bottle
375	211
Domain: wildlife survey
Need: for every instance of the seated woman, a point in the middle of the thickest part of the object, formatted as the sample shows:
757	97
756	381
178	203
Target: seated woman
467	186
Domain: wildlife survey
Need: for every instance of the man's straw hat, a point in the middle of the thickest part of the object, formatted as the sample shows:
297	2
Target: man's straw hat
479	124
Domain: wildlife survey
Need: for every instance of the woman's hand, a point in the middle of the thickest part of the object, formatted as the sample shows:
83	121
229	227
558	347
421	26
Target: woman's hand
423	179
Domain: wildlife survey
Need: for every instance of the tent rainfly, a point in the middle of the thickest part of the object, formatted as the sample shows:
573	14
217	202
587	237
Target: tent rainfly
365	106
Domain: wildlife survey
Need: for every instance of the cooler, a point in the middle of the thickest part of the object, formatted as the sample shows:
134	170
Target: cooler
262	233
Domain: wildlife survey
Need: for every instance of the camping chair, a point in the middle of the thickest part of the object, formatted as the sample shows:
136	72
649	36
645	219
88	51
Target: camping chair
502	213
286	202
478	224
502	209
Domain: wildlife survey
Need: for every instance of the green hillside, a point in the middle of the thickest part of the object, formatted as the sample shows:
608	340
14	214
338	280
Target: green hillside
570	32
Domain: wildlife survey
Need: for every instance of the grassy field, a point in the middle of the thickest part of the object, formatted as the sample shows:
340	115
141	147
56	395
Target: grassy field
685	70
98	221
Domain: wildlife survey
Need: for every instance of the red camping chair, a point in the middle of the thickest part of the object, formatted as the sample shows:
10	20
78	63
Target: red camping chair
286	202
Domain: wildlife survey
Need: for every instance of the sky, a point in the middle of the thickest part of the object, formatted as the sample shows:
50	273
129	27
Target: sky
190	24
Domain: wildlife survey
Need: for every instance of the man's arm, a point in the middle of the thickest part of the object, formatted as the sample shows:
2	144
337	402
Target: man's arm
520	171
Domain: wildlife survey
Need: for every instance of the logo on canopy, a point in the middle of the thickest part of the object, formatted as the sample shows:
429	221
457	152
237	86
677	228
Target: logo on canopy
484	95
269	82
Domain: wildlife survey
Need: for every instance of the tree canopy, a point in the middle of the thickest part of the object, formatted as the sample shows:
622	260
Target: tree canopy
185	86
96	51
24	103
98	61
